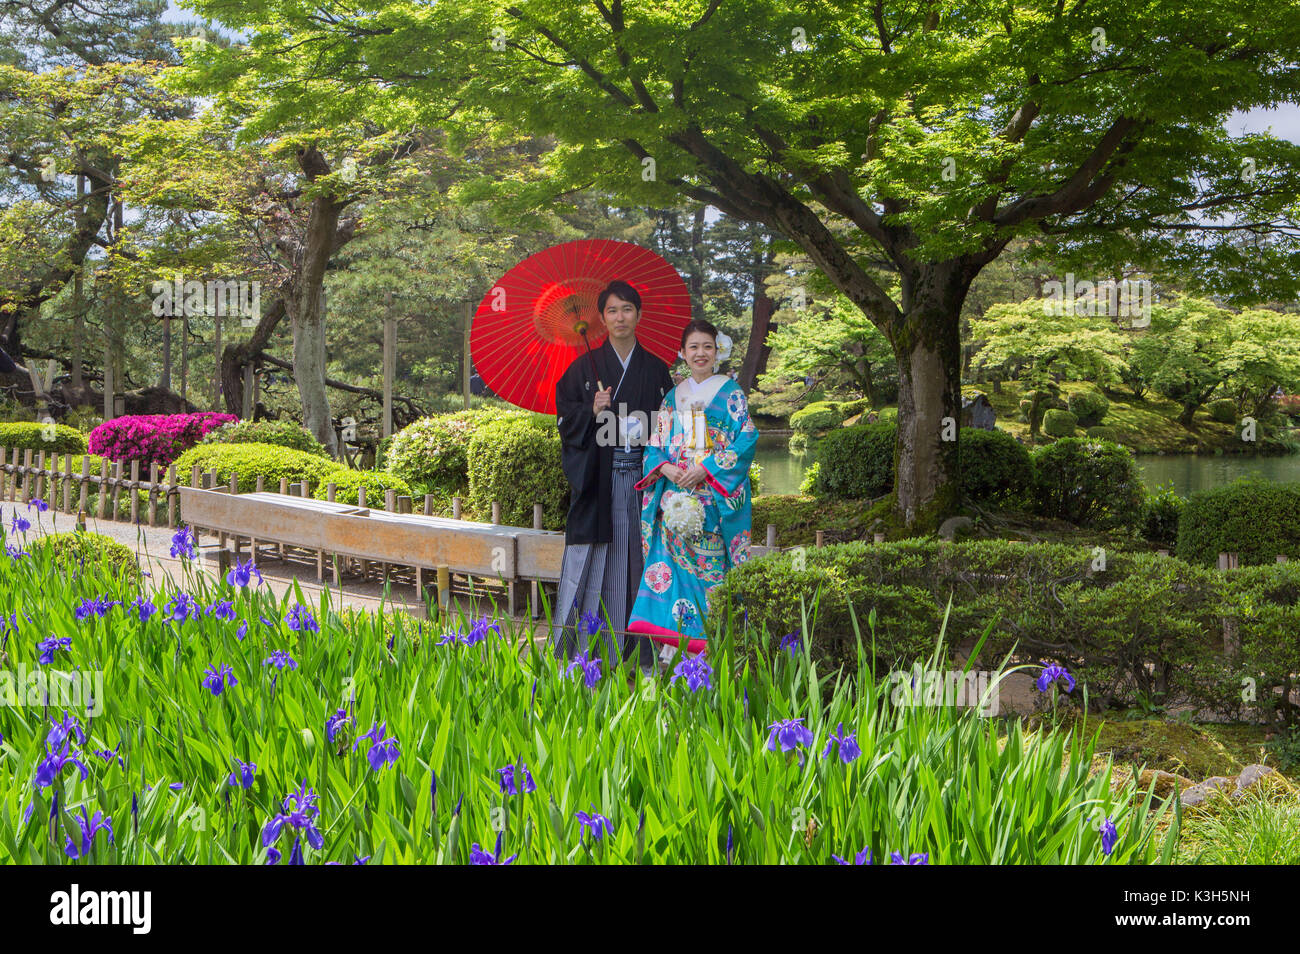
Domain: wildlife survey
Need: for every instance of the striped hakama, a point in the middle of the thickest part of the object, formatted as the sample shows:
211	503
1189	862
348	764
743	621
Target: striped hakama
608	573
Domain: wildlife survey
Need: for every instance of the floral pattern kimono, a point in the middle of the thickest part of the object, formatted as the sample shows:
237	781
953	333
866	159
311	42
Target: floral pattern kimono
672	601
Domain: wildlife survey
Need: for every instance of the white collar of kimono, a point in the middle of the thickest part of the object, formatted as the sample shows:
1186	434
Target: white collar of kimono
702	391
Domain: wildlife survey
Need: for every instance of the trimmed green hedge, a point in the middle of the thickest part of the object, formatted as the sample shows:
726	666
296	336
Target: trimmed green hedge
432	454
28	434
71	551
347	482
1254	518
817	416
247	461
516	462
1164	508
857	462
280	433
1136	627
1089	483
1088	407
1058	423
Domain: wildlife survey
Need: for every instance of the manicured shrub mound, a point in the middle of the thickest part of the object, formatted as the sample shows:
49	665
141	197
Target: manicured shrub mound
76	553
431	454
1088	482
817	416
348	482
1256	519
59	439
516	461
1058	423
280	433
247	461
1088	407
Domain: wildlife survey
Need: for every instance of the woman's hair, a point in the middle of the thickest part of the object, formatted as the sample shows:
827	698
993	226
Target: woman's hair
699	324
623	290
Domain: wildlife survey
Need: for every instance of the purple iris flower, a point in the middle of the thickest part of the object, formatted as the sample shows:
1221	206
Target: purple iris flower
791	642
245	777
15	552
590	669
19	524
382	750
89	828
790	734
242	573
217	679
697	673
145	608
182	607
222	609
1108	837
848	745
295	856
40	505
1051	674
301	816
336	722
477	856
183	543
509	776
598	823
50	767
279	659
863	857
479	630
242	631
109	754
68	728
48	646
449	636
591	623
299	618
896	858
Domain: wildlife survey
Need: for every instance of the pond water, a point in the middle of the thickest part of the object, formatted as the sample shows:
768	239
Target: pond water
783	471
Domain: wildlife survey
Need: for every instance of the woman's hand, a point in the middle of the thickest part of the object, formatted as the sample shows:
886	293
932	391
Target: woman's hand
692	478
673	473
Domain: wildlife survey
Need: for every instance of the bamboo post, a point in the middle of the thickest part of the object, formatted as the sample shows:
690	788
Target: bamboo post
455	508
403	503
878	537
821	538
234	491
172	484
428	505
153	493
284	489
117	489
134	490
534	602
27	475
444	587
4	471
13	484
261	483
105	478
361	502
771	536
390	500
496	512
40	476
67	483
1281	558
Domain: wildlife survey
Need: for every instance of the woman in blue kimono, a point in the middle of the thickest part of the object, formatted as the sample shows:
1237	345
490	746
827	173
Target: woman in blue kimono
702	445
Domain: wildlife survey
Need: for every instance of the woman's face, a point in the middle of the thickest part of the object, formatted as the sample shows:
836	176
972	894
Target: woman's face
700	350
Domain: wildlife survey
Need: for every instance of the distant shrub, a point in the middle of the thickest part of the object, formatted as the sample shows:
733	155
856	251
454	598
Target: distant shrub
857	461
1088	406
1256	519
431	454
1223	410
347	482
1103	433
247	461
31	435
1090	483
1160	525
280	433
995	467
1058	423
818	416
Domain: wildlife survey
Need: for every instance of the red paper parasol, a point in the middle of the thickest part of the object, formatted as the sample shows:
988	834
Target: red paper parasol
528	328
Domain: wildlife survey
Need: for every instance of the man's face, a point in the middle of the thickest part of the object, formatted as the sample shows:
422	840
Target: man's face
620	316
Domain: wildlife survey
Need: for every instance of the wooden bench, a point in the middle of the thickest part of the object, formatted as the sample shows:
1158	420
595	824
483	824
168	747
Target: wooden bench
445	545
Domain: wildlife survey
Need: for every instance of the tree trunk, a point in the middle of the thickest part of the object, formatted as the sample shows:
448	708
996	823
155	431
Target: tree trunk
927	344
1187	415
236	357
758	351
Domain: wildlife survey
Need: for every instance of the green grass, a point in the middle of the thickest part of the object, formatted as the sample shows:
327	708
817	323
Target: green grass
694	766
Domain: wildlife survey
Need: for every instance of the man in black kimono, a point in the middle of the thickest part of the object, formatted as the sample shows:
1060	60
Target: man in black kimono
603	432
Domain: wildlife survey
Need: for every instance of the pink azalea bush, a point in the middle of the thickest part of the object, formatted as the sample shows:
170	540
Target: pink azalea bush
153	438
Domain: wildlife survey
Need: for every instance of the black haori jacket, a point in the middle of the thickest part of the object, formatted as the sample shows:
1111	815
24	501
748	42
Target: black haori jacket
588	465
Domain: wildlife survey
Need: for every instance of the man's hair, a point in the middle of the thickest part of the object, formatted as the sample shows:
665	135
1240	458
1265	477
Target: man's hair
699	324
623	290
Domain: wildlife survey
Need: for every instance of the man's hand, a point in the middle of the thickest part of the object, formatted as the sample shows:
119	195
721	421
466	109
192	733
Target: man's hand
602	401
